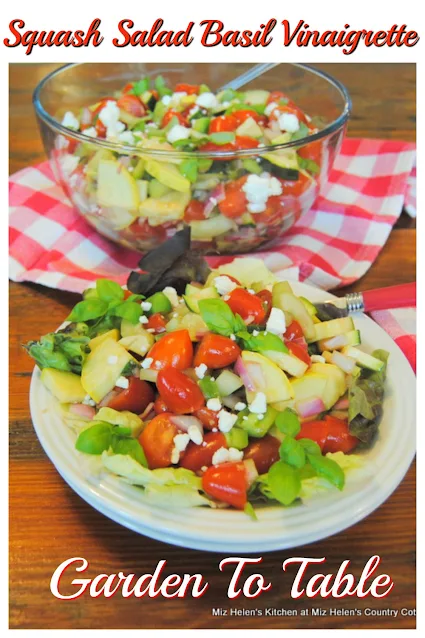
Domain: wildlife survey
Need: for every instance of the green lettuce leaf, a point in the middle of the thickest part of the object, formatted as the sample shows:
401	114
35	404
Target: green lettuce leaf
134	473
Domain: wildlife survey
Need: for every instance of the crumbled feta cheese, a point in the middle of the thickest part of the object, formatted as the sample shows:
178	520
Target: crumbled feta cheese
146	306
204	468
90	132
276	322
270	108
61	142
146	363
224	285
317	358
166	99
204	444
178	132
127	137
70	121
143	319
151	330
235	454
288	122
214	404
214	430
207	100
240	406
68	163
245	418
233	337
109	116
195	434
251	291
122	382
201	370
172	296
226	420
175	315
177	97
112	359
258	188
226	297
175	456
88	400
181	441
259	404
260	417
220	456
194	110
255	333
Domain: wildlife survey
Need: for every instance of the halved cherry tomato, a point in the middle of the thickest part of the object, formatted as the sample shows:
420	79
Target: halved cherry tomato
157	323
207	417
248	306
245	114
135	398
190	89
243	141
298	351
131	104
293	331
179	392
100	128
173	350
264	452
228	483
235	202
169	116
295	187
143	230
267	300
216	351
196	457
195	210
223	123
289	108
160	406
215	148
157	440
128	87
275	96
311	151
331	434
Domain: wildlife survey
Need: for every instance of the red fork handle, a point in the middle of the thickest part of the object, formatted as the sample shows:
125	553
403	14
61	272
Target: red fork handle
401	296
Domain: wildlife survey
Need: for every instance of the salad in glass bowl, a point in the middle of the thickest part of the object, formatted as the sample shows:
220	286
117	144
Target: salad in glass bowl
239	167
213	388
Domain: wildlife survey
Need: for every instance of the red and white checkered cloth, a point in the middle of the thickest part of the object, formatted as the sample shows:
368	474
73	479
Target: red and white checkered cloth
332	245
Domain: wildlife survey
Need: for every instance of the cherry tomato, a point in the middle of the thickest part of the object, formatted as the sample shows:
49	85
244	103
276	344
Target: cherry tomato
190	89
160	406
131	104
248	306
235	202
245	114
179	392
339	438
223	123
295	187
157	323
288	108
135	398
242	141
143	230
216	351
293	331
213	148
157	440
264	452
331	434
174	349
267	300
195	210
311	151
207	417
128	87
298	351
100	128
275	96
196	457
169	116
228	483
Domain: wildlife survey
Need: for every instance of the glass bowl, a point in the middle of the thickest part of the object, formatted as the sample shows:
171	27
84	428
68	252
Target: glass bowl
122	204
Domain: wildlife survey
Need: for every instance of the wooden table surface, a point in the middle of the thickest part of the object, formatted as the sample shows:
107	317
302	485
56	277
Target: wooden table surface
49	523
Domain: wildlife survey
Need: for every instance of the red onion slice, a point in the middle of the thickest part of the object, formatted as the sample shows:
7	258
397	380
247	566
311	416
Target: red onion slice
82	410
185	422
342	404
251	471
242	370
147	411
107	398
347	364
310	407
335	342
217	195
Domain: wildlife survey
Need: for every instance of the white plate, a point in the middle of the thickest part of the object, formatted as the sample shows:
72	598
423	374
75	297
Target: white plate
277	528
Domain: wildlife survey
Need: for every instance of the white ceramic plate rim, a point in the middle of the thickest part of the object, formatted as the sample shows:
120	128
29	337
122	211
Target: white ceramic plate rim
231	531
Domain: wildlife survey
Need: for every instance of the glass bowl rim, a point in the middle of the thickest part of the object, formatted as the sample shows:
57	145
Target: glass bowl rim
137	150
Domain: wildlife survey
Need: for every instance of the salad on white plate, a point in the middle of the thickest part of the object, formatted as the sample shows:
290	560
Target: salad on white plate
214	388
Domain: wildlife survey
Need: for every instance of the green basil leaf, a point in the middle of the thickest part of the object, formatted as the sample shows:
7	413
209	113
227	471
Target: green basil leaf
328	469
262	342
218	316
96	439
88	309
288	422
284	482
129	310
108	290
90	293
292	452
130	447
310	447
141	86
